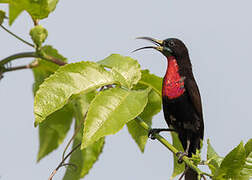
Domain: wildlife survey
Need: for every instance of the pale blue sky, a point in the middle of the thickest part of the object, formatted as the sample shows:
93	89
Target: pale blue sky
218	36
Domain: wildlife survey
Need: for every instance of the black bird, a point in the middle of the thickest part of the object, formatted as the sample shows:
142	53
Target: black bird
181	98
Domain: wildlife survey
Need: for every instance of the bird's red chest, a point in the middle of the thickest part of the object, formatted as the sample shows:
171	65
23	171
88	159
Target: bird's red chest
173	83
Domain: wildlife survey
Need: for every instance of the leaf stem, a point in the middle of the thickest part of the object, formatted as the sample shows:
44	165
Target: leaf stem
171	147
16	36
52	59
62	163
74	135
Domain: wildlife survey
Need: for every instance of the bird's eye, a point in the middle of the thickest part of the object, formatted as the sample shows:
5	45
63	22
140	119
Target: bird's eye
171	43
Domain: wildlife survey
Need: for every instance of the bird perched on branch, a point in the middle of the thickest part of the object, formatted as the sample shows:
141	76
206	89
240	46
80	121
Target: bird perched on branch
181	98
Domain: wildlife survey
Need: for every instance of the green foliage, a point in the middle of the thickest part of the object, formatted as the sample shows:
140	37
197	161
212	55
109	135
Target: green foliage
38	35
110	111
248	147
246	172
68	80
235	165
213	159
196	158
45	68
125	69
50	51
153	107
232	164
37	9
2	16
152	81
85	158
53	130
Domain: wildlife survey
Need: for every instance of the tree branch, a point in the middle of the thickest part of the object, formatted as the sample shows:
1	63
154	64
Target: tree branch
28	66
18	56
171	147
31	55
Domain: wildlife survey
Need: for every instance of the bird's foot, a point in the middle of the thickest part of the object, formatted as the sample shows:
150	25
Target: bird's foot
152	133
180	156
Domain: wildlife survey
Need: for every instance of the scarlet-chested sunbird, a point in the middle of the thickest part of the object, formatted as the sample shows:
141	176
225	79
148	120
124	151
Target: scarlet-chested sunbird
180	97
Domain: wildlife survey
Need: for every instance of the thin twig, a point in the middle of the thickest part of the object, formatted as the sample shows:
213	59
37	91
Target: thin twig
62	163
74	135
19	38
70	164
76	131
28	66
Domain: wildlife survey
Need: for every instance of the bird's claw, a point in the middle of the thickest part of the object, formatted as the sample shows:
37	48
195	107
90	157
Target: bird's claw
180	156
152	133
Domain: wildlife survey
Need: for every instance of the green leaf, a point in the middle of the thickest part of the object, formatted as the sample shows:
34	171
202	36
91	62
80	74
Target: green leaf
42	71
53	130
45	68
110	111
177	168
125	69
153	107
213	159
246	172
248	147
2	16
85	158
152	81
80	103
38	9
232	164
68	80
38	35
50	51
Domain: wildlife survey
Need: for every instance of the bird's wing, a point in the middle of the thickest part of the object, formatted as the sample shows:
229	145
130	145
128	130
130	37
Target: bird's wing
194	94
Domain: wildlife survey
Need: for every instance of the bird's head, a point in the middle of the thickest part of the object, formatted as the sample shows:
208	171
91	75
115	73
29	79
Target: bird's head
168	47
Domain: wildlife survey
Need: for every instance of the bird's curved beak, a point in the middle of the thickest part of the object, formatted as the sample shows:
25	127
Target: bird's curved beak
160	45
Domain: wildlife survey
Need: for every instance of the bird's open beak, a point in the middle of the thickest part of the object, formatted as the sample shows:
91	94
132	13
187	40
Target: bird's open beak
159	44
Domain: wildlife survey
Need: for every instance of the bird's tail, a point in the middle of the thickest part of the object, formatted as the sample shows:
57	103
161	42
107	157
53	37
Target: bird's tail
190	174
